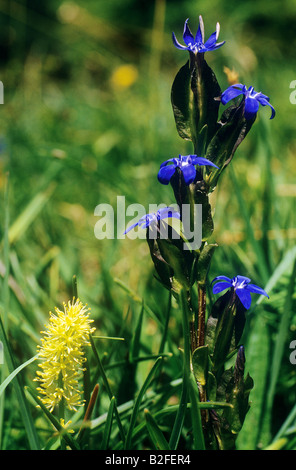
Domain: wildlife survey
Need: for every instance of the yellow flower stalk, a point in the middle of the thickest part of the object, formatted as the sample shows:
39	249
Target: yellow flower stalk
62	349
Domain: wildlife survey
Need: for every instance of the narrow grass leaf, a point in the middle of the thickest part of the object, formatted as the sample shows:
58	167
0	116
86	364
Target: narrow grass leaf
108	425
289	420
155	432
138	299
138	401
180	417
108	389
21	398
28	215
11	376
280	342
258	364
281	269
261	261
166	325
5	292
136	341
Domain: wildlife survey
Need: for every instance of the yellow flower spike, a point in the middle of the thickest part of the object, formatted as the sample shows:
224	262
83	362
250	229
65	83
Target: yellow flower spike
62	349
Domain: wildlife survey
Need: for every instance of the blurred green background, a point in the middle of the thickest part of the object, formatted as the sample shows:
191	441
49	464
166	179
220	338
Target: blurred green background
87	117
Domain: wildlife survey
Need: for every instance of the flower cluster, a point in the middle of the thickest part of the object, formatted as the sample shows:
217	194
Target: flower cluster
180	263
62	349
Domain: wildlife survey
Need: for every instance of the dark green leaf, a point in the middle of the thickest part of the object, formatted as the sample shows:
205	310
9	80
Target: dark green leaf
224	328
233	128
155	432
204	261
193	99
235	390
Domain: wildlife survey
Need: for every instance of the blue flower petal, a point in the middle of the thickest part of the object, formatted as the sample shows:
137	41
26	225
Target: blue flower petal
256	289
210	43
177	44
221	278
167	162
240	280
187	34
265	102
202	161
200	34
251	107
216	46
231	93
198	37
245	297
131	227
165	173
167	212
220	286
189	173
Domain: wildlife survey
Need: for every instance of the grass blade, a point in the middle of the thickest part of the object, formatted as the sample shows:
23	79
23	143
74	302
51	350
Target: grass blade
280	342
5	291
138	401
14	373
106	383
108	425
29	214
261	261
290	419
280	270
136	342
258	349
21	398
155	432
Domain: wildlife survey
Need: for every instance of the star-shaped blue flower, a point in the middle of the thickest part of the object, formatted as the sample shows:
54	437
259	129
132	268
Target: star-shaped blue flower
187	166
252	99
149	219
196	44
241	286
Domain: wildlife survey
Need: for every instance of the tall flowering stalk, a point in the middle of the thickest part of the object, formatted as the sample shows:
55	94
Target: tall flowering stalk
62	355
211	337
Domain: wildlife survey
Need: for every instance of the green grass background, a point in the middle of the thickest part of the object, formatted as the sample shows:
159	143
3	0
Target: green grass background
71	137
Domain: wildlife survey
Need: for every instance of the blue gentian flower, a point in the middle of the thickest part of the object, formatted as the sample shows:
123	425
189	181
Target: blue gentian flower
197	44
149	219
241	286
187	166
252	99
